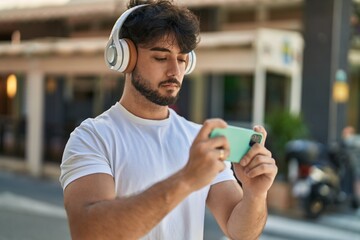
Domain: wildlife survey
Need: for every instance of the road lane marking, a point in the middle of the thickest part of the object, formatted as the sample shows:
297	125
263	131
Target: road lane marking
307	230
20	203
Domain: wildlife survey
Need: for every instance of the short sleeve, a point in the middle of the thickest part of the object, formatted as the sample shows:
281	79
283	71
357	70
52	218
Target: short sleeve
84	154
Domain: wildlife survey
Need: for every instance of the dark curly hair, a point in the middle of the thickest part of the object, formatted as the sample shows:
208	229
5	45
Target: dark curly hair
150	23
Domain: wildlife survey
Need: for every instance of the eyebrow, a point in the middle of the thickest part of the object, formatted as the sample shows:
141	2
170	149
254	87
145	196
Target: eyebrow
160	49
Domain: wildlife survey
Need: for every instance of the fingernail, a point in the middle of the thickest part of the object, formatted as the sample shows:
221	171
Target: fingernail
257	127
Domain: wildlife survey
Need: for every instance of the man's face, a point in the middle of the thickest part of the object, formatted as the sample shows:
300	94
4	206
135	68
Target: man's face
159	71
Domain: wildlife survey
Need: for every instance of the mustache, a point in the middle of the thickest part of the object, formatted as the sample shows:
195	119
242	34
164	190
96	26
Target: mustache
172	80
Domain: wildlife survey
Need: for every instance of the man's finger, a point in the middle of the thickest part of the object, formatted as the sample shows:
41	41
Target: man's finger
266	168
256	149
208	126
261	129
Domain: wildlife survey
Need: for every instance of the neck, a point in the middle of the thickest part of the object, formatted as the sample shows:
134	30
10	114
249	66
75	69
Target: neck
140	106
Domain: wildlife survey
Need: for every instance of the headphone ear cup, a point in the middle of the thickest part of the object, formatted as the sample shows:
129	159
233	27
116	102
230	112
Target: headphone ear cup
110	55
122	56
132	56
191	63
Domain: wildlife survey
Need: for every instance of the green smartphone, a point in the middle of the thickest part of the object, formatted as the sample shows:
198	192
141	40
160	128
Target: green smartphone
240	140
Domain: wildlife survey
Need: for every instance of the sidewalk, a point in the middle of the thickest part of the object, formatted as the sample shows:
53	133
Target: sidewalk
32	209
325	228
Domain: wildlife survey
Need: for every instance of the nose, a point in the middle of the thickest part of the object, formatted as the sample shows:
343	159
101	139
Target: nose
173	68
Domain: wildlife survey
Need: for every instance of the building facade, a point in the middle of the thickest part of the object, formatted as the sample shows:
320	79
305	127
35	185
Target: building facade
53	74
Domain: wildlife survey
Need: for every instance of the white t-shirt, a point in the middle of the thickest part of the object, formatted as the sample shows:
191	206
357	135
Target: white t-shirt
139	153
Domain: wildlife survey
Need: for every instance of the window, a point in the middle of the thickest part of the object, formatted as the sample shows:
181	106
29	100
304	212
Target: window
277	92
71	99
12	119
238	95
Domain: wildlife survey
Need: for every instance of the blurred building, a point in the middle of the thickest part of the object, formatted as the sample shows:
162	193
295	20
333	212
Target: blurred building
53	74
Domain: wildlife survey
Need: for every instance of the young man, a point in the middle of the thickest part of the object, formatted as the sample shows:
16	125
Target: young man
141	171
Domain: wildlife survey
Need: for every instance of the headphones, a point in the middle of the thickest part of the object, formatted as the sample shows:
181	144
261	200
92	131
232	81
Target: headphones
121	54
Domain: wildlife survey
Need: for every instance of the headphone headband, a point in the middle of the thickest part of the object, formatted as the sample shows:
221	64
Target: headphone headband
118	24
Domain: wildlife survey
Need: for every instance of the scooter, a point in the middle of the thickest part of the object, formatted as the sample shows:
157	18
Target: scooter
314	178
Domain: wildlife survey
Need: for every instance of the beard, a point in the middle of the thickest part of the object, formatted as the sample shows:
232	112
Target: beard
143	87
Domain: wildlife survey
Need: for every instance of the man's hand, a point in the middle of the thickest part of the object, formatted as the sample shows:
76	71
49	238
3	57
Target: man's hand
257	169
207	155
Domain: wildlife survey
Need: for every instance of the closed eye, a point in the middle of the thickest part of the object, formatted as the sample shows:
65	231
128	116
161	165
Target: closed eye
160	59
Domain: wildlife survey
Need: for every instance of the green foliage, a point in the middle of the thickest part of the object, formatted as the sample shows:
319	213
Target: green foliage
283	126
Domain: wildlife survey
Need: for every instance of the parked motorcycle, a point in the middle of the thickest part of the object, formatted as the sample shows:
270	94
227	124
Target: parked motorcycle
315	173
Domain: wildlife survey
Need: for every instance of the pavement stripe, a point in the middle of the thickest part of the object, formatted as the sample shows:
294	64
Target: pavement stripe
20	203
305	230
343	221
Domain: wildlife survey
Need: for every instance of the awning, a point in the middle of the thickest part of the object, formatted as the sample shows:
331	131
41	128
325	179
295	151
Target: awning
25	4
57	46
70	56
192	3
23	10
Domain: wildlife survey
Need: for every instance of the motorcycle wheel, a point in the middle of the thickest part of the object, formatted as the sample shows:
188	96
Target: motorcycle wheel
314	207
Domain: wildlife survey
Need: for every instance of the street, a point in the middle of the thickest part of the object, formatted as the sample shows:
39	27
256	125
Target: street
32	209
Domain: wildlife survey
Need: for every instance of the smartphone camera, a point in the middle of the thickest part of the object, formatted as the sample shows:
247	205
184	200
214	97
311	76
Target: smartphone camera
255	138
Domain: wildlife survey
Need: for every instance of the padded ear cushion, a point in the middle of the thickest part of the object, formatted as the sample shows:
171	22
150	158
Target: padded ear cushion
121	56
131	62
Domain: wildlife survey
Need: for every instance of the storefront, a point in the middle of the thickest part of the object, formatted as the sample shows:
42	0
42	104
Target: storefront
239	76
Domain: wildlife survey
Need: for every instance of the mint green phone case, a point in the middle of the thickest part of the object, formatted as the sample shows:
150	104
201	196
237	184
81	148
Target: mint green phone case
240	140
